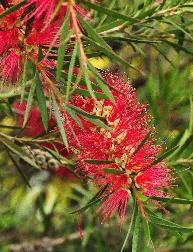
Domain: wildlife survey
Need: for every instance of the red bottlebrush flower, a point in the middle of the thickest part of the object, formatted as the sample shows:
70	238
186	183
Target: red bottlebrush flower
157	176
8	40
38	36
11	55
10	66
42	8
129	166
116	201
20	35
34	125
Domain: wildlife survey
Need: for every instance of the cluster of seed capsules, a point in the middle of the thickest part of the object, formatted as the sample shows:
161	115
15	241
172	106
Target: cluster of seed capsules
42	158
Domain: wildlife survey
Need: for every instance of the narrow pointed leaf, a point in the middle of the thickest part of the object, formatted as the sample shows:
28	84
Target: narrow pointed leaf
95	199
104	87
74	116
155	219
113	55
17	150
12	9
113	171
17	166
98	121
174	200
142	143
71	69
93	34
131	226
109	12
62	46
95	161
164	155
60	122
29	102
84	70
136	234
41	101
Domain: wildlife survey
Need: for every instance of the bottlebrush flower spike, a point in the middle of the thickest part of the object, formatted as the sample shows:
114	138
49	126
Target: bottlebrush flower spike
130	166
42	8
10	67
45	9
23	31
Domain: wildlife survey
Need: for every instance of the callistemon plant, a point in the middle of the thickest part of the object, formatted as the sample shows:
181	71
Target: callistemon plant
121	158
86	124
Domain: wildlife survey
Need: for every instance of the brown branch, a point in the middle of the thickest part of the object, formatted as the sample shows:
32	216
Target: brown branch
45	244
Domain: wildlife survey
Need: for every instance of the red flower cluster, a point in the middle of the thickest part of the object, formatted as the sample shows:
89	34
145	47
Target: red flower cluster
27	31
125	159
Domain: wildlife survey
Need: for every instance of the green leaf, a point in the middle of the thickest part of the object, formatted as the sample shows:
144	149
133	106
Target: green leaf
155	219
148	13
99	193
97	120
104	86
110	25
24	78
113	55
185	145
95	199
164	155
132	39
41	101
162	53
60	122
62	46
110	6
22	174
12	9
136	234
110	13
84	113
147	236
86	93
17	150
82	82
174	200
113	171
74	116
96	161
142	143
71	69
141	196
178	47
85	72
191	115
93	34
167	21
131	226
29	103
